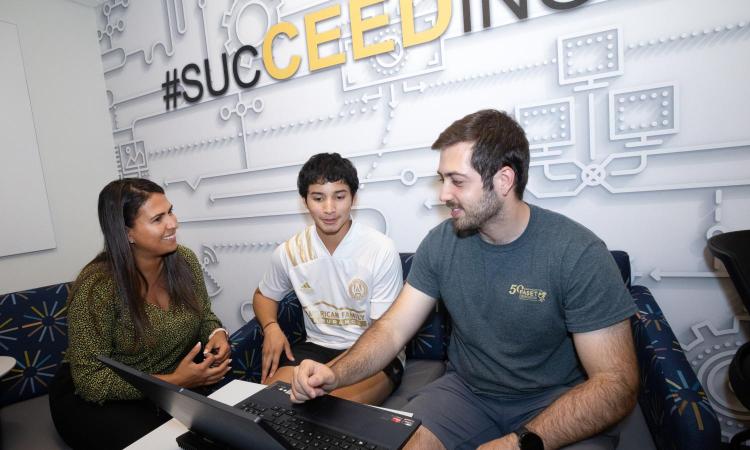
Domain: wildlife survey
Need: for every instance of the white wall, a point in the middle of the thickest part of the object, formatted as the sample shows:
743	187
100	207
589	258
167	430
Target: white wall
74	134
230	169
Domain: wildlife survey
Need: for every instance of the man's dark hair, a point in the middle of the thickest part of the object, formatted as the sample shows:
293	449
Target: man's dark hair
498	142
327	168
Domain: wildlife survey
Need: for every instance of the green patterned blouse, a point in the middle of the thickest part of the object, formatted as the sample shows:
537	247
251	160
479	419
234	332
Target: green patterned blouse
173	332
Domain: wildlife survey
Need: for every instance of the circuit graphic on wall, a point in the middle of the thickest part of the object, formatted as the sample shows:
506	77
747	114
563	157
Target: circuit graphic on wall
636	129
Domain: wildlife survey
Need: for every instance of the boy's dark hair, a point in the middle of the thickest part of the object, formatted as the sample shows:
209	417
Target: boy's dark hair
327	168
499	141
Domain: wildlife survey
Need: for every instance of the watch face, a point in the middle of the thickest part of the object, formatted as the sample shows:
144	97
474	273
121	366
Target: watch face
530	441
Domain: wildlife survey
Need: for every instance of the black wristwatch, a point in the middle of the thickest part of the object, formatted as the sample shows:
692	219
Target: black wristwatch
528	440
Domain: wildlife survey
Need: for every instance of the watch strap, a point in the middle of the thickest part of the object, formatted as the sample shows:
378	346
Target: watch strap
522	432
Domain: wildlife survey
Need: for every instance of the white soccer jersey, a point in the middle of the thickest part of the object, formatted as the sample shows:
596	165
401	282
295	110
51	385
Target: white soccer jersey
341	293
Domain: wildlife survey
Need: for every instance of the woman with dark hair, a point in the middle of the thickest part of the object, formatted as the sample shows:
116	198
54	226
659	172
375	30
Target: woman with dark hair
141	301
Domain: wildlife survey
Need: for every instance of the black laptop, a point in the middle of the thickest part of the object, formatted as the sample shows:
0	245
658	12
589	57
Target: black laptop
269	420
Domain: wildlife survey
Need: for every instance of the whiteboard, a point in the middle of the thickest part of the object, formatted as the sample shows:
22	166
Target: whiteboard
25	221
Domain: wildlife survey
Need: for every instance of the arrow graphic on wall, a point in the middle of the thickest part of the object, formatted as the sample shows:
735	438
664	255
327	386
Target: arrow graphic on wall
220	196
419	87
393	103
367	97
430	203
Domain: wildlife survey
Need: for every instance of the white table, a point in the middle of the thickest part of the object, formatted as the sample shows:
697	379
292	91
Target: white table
6	363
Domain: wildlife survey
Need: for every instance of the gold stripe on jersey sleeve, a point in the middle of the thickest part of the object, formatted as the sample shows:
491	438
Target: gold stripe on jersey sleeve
300	250
310	249
290	253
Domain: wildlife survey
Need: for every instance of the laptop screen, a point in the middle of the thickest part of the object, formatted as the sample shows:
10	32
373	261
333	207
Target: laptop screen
206	416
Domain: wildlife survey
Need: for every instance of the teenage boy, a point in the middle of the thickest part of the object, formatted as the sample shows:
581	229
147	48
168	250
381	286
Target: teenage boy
345	275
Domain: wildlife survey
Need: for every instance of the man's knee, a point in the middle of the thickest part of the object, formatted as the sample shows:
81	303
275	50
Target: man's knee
423	439
285	374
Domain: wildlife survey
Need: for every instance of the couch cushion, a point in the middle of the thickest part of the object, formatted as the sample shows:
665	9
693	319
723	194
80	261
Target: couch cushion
419	372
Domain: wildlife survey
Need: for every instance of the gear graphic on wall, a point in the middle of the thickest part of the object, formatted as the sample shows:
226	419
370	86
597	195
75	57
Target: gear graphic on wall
247	23
710	354
388	64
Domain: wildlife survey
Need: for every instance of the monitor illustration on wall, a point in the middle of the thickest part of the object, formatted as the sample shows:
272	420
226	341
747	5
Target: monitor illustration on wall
548	125
644	112
590	57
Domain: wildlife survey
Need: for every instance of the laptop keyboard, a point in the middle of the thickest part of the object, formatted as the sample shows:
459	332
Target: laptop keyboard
302	434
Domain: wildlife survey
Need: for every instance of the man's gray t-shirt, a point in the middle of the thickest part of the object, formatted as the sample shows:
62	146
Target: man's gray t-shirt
513	307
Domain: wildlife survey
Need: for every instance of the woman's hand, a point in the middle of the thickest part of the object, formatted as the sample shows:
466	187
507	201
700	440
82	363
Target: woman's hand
190	374
218	346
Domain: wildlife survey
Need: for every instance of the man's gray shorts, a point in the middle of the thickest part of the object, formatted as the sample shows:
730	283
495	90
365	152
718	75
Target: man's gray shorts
461	419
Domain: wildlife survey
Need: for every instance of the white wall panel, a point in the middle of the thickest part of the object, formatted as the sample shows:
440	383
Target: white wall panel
25	224
63	73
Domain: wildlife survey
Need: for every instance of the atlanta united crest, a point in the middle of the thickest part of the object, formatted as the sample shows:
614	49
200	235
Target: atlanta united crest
357	289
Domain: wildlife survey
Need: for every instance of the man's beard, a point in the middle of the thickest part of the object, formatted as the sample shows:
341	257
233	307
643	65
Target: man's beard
475	216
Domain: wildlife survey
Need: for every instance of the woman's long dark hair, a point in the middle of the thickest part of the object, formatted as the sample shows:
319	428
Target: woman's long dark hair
119	203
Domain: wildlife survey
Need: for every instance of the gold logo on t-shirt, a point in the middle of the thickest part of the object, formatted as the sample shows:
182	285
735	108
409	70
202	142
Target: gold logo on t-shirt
325	313
527	294
357	289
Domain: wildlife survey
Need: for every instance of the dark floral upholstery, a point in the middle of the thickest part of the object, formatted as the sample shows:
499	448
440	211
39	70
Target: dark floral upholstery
33	330
431	341
247	342
672	399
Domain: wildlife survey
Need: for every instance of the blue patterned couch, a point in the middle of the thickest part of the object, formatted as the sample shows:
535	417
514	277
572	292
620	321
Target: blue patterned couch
677	410
33	329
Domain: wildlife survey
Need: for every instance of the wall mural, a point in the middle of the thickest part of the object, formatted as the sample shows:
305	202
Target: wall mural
635	111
